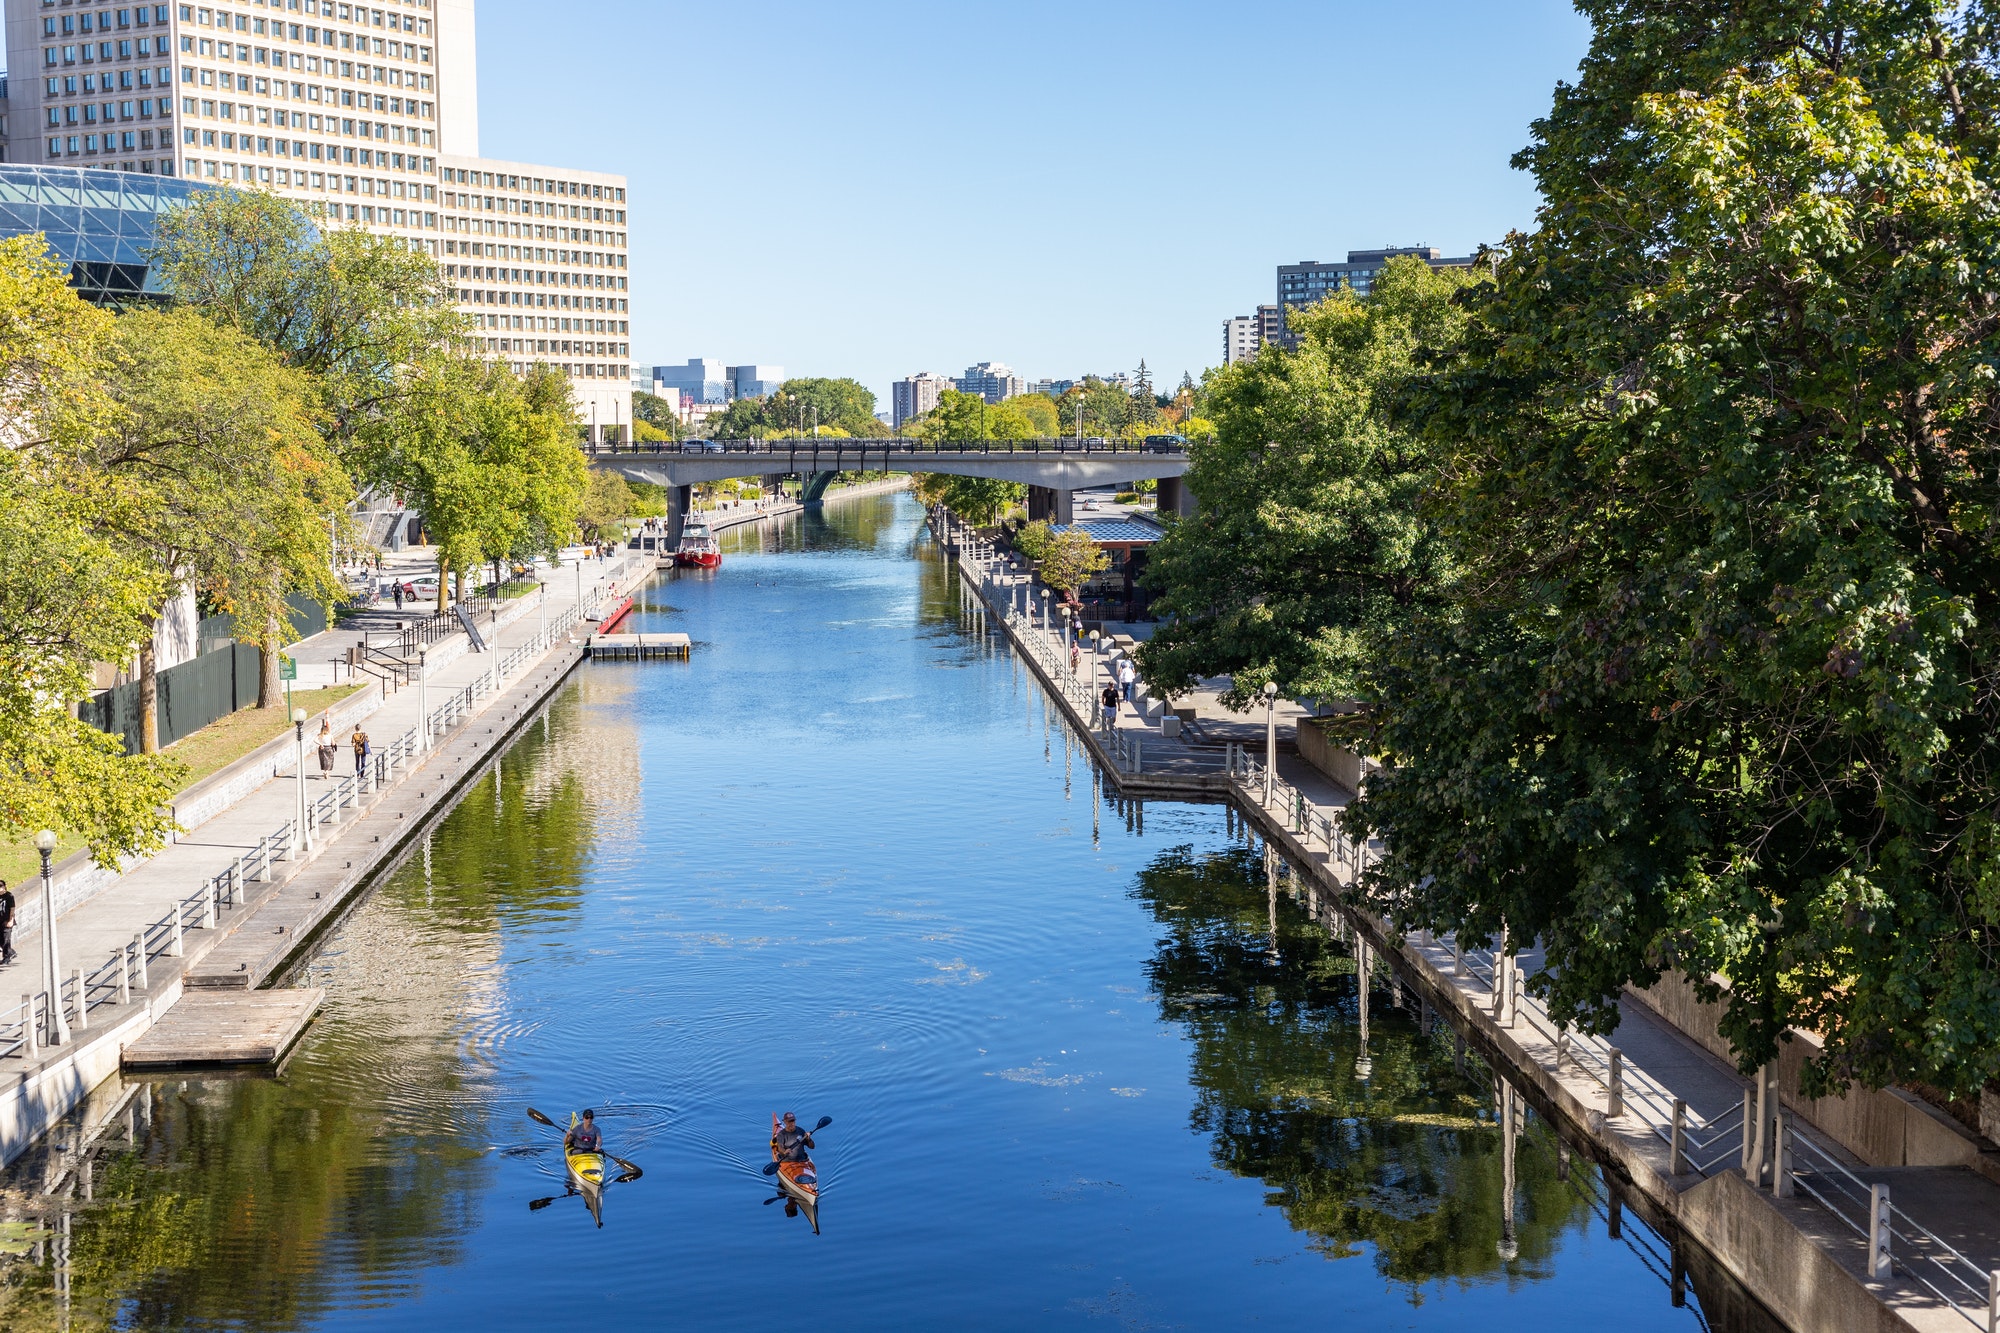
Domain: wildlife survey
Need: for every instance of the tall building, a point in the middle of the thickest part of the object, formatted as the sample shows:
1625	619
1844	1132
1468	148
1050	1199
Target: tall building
995	381
754	381
1270	324
699	381
367	115
1309	281
1239	339
915	395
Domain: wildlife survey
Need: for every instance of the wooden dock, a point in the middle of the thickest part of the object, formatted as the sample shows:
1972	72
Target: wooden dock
207	1027
638	647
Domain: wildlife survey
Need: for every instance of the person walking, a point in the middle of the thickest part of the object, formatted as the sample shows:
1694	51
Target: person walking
1108	704
6	923
399	594
1127	677
327	748
360	743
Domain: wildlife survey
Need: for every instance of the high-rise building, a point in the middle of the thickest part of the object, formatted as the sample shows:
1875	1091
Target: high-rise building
1270	324
367	115
699	381
1309	281
995	381
1239	339
915	395
754	381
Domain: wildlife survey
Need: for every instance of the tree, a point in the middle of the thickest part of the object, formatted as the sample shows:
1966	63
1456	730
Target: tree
1721	460
1145	407
957	416
1071	558
70	594
656	413
230	487
1029	416
1103	409
607	502
846	404
1309	546
1033	539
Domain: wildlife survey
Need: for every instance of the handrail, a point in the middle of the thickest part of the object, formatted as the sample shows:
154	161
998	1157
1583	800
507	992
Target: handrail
889	447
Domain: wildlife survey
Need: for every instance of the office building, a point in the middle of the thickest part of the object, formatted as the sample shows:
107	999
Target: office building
754	381
1239	339
915	395
995	381
699	381
1309	281
365	114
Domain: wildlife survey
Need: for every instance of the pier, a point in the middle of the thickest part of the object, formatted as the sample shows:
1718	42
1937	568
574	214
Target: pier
638	647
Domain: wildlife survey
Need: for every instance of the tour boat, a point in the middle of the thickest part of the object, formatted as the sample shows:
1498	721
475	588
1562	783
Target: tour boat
698	549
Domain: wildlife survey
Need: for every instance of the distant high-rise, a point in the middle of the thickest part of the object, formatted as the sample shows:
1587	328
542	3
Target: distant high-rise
755	381
1239	339
1309	281
915	395
700	380
995	381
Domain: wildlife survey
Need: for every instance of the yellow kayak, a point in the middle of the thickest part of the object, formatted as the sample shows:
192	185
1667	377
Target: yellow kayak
587	1170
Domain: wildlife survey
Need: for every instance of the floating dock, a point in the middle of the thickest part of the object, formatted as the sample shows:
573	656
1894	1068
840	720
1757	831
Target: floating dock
638	647
225	1028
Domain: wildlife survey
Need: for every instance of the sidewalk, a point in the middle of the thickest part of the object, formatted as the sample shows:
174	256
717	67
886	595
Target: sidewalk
95	929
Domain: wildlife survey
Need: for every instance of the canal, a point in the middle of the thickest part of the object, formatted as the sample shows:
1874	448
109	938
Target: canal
1085	1068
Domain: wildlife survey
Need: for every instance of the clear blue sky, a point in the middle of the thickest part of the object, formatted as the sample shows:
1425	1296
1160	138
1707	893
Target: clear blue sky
882	187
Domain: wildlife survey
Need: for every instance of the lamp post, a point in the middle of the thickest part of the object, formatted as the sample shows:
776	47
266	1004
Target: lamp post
1093	664
45	843
299	731
1270	737
543	601
423	703
1066	640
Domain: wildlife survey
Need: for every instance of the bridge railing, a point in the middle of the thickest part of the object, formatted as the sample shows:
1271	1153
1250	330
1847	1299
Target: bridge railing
892	447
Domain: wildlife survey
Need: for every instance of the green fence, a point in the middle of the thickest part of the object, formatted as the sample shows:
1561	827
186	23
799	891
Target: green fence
192	695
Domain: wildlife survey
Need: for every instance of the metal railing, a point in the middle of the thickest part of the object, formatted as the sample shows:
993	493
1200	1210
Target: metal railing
912	449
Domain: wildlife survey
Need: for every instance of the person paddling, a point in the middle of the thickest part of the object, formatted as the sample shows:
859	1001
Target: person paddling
789	1143
584	1137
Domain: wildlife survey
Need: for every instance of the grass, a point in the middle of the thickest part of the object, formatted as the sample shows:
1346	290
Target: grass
518	588
208	751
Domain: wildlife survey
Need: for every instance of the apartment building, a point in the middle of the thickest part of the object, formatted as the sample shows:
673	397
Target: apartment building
1239	339
995	381
367	114
1309	281
915	395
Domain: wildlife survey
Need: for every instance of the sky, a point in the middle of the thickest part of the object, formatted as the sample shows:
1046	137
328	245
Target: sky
880	187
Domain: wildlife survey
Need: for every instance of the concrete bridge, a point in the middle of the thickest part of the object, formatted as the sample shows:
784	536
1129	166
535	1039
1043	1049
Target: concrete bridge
1051	469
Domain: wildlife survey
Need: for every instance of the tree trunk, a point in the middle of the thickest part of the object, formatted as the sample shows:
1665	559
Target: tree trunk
149	692
270	688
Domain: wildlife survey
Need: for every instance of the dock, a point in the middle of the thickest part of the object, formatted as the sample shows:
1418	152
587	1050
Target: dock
638	647
209	1028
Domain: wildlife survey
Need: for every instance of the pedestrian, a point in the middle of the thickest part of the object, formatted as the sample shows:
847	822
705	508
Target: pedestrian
1074	657
360	743
6	923
326	748
399	594
1108	702
1126	678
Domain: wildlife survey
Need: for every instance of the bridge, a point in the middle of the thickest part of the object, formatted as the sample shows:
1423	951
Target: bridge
1051	469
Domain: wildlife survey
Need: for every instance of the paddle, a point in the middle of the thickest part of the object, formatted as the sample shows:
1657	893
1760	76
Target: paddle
632	1172
824	1121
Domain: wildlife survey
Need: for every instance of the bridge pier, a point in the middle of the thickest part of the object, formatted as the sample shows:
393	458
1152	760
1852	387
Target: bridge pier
1173	497
771	483
679	500
1047	504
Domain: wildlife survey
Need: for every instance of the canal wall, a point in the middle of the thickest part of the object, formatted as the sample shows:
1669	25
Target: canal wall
1805	1275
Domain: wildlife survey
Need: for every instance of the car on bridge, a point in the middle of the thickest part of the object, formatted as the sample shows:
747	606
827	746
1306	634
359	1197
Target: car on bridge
1164	444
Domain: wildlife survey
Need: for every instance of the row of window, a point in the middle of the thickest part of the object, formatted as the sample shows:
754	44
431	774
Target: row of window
262	115
532	277
251	23
299	148
129	141
579	258
550	324
329	68
70	24
537	185
574	371
87	113
240	51
536	207
536	231
67	87
100	52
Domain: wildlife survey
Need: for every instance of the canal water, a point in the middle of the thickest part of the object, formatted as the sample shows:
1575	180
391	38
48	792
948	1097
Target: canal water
1085	1066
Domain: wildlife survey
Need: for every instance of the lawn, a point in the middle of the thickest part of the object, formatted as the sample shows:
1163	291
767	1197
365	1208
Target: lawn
208	751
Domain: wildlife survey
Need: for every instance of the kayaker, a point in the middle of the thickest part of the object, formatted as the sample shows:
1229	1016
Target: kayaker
790	1143
584	1137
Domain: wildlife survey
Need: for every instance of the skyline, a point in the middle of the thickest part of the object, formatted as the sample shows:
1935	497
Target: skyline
813	216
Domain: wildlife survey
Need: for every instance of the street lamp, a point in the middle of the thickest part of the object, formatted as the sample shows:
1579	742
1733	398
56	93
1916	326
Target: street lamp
543	601
1270	737
299	730
45	843
1093	664
423	702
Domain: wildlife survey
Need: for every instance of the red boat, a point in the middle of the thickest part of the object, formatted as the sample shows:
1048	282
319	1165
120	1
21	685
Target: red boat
698	548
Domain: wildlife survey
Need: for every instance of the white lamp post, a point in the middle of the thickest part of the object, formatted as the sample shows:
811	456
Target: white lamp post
1270	737
299	730
543	601
45	843
423	703
1093	664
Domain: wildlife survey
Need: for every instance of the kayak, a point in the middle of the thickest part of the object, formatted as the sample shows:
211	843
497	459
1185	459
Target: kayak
586	1172
799	1180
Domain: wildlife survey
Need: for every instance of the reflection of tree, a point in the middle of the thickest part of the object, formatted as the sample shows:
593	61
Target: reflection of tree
1406	1160
264	1203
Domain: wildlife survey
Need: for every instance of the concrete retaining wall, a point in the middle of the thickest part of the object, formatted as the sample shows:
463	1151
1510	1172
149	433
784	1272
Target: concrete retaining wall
1337	762
1883	1128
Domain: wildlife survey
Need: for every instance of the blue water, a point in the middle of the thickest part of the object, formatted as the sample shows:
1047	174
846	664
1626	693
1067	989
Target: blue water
842	862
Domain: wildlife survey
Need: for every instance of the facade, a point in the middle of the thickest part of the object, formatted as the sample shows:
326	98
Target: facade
754	381
1270	324
914	396
995	381
101	222
1239	339
1309	281
366	115
699	381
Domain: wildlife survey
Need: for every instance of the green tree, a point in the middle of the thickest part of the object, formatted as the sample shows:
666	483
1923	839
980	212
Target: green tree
71	594
1310	545
1033	540
1103	409
654	411
845	404
607	502
1029	416
1072	557
1721	475
232	488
